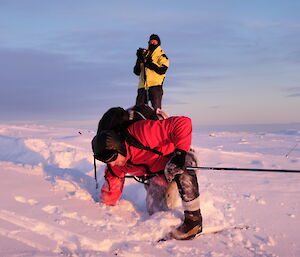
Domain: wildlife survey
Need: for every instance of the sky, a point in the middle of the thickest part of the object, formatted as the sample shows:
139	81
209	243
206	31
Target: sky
231	62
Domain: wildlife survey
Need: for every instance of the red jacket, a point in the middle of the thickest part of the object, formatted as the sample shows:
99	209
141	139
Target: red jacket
162	135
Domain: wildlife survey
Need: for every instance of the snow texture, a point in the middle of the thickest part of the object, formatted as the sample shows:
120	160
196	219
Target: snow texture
49	204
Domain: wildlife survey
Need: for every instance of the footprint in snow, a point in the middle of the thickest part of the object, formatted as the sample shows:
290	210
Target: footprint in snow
22	199
251	197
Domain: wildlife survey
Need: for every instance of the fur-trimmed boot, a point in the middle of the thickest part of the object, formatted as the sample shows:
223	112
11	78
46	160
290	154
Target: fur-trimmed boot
191	226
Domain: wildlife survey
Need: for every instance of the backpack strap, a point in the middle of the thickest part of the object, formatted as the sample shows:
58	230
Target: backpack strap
131	140
144	179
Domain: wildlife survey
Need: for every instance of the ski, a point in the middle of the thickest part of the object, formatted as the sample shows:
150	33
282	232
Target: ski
207	231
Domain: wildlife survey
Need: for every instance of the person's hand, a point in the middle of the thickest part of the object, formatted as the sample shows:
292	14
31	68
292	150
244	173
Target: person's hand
176	165
148	60
141	54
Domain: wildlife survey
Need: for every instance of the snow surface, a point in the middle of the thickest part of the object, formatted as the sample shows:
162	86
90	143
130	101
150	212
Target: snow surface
49	204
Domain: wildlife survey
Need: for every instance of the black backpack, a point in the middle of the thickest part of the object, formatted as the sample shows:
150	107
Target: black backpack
117	118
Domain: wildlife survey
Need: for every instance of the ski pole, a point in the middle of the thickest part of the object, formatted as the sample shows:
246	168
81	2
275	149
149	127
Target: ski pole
147	94
95	173
241	169
287	155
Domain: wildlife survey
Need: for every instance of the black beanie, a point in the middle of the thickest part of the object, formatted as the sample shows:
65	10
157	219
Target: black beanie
107	144
155	37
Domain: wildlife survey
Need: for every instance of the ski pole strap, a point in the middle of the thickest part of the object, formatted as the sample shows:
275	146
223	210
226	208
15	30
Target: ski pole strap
241	169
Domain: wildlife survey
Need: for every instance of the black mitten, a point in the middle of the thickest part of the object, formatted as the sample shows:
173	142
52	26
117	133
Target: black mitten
175	165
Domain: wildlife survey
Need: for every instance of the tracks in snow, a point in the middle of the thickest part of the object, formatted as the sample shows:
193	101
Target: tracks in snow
53	235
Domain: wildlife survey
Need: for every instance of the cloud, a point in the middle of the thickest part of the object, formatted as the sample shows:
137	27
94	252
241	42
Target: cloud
76	60
173	101
294	95
293	91
36	84
294	56
215	107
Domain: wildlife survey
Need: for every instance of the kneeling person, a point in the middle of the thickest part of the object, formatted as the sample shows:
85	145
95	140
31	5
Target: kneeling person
165	153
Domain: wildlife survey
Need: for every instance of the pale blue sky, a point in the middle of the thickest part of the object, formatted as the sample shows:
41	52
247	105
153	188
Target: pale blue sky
231	62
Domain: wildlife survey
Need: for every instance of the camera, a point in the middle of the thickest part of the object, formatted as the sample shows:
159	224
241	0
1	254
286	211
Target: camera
141	54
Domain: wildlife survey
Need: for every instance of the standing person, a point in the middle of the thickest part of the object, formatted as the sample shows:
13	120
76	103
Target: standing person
160	150
151	67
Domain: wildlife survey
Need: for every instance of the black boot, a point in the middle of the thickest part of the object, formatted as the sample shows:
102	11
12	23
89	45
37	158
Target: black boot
191	226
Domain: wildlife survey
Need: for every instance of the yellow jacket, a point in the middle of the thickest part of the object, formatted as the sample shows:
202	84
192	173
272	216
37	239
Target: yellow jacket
149	77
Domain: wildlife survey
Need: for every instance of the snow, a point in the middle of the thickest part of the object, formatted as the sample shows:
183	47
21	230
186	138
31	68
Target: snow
49	204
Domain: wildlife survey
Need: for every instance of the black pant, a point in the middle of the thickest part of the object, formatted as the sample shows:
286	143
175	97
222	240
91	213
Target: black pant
155	94
187	185
187	181
163	196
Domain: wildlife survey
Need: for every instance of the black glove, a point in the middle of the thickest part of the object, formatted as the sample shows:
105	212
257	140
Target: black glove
175	165
150	65
179	158
149	59
141	54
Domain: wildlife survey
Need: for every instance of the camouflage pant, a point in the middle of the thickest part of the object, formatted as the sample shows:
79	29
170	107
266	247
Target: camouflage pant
162	195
